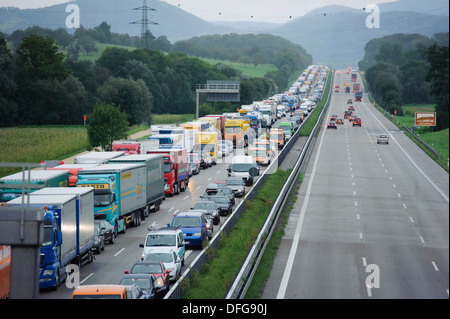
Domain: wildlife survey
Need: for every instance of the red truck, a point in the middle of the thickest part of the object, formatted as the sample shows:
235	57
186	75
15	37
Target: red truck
73	171
131	147
356	87
175	168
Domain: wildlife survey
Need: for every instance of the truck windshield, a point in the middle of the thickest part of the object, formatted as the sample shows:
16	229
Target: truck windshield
102	200
241	167
47	236
186	222
232	129
259	153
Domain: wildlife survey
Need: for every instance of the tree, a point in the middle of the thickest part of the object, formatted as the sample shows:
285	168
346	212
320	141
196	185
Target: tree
106	124
133	97
438	57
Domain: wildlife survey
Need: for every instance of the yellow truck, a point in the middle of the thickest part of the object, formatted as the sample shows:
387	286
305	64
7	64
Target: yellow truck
238	131
207	142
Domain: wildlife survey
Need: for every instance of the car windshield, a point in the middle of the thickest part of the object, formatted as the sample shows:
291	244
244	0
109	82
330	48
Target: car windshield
162	257
186	221
235	182
144	283
219	200
160	240
146	269
241	167
207	206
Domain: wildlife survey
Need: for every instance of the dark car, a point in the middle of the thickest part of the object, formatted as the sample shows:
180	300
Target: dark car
332	124
237	185
339	120
135	292
146	282
213	189
107	230
211	210
222	203
155	268
99	240
347	114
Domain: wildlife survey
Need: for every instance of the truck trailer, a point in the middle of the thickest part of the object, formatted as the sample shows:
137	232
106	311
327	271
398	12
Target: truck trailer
15	185
155	178
96	157
68	236
119	193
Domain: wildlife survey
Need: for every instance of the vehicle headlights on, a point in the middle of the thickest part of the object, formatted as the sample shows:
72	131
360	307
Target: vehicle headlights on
143	256
197	234
48	272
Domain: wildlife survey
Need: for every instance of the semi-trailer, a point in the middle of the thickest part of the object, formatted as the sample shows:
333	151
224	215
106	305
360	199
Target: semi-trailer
119	193
155	178
175	168
15	185
96	157
68	233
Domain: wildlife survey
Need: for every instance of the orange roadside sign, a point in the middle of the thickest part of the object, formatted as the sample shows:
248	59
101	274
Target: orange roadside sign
425	119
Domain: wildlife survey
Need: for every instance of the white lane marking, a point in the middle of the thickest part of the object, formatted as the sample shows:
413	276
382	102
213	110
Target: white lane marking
198	187
82	282
186	197
119	252
435	266
364	261
171	209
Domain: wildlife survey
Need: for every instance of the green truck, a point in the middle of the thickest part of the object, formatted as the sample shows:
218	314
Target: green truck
287	129
15	185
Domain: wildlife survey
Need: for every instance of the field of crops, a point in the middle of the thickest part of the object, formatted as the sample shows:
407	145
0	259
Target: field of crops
35	144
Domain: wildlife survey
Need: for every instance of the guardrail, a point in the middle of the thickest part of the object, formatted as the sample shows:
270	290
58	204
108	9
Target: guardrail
203	256
245	275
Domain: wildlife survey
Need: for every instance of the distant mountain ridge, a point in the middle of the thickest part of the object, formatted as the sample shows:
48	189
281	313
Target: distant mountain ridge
335	35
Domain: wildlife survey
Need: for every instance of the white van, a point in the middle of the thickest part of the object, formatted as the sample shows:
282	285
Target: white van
245	167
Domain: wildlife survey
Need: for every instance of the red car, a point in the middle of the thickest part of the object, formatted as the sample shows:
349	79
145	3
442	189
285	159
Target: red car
155	268
357	121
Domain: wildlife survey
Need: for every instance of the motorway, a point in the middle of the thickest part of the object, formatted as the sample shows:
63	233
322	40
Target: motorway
371	220
109	266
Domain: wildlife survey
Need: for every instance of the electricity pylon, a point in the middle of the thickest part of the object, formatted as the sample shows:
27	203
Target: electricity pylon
145	32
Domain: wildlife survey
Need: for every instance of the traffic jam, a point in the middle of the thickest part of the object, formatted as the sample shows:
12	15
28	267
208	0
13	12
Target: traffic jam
90	204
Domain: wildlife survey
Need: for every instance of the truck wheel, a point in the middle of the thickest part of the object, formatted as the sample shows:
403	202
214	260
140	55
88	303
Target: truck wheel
176	189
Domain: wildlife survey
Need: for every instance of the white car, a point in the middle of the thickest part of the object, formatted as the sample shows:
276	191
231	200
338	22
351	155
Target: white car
168	257
168	238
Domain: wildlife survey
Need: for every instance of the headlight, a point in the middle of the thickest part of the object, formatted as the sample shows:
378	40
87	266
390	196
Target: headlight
48	272
239	190
143	256
197	234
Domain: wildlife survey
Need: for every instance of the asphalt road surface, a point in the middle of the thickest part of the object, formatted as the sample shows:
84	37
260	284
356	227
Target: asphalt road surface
371	220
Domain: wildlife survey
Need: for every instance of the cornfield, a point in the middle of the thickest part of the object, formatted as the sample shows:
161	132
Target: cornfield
35	144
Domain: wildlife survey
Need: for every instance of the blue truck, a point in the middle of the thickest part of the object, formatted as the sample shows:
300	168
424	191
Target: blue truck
68	235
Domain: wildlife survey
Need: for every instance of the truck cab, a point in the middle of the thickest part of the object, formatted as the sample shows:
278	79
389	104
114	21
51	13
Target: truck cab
244	167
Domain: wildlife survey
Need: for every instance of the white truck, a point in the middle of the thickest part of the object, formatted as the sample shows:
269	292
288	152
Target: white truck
245	167
96	157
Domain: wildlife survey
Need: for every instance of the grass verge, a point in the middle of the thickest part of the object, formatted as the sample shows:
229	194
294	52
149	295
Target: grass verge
218	275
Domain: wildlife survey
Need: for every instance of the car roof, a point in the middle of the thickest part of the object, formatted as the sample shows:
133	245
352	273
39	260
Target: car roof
191	213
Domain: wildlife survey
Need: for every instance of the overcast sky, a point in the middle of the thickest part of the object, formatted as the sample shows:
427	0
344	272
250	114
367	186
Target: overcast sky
230	10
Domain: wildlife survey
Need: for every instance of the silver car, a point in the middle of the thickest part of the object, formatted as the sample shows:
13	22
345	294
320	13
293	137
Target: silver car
383	138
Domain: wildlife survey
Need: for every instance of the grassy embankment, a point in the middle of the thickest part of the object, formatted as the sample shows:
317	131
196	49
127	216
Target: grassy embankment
217	276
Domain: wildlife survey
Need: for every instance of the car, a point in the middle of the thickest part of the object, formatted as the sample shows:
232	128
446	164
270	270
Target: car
223	150
357	121
351	117
334	117
194	160
193	226
227	191
168	258
148	283
332	124
339	120
135	292
170	238
210	208
350	101
337	86
156	268
336	90
99	240
347	114
106	229
383	138
237	185
222	203
351	108
213	189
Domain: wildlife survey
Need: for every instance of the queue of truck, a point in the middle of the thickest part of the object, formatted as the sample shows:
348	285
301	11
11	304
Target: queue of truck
122	187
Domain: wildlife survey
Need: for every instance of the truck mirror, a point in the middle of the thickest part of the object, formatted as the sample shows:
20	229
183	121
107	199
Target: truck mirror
59	237
141	245
253	171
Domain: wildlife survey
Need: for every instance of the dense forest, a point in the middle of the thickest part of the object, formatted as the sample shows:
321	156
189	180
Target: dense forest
405	68
43	82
